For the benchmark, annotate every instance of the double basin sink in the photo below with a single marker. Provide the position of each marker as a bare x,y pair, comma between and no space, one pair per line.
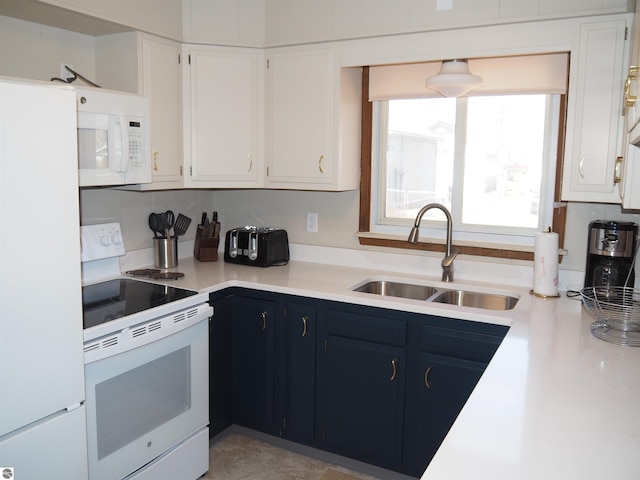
453,296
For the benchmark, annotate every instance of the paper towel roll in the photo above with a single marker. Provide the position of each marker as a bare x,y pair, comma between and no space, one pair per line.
545,264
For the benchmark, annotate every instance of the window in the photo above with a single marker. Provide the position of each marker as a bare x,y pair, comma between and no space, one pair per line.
487,159
491,159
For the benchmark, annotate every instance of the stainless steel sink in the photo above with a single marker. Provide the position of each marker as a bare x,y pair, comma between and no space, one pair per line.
459,297
397,289
464,298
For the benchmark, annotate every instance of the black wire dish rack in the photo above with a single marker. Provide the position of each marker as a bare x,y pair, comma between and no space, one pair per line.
617,313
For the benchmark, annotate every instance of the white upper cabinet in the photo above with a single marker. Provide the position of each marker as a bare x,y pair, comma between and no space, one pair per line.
162,81
312,122
223,117
149,66
632,83
631,160
594,143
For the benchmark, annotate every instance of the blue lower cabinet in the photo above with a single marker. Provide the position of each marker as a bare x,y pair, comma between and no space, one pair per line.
298,381
220,365
253,363
363,405
380,386
445,384
363,365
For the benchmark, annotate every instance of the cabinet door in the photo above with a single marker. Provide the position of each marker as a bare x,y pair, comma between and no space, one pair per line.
364,400
162,82
300,372
593,142
223,148
253,363
220,366
632,84
445,384
300,116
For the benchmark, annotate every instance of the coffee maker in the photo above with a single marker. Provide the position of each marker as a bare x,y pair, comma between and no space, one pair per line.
610,254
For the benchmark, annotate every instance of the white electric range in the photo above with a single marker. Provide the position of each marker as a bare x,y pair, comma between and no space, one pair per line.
146,369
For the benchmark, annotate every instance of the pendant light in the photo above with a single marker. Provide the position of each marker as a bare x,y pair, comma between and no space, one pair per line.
454,79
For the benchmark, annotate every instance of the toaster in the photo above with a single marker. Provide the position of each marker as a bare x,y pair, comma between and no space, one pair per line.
259,246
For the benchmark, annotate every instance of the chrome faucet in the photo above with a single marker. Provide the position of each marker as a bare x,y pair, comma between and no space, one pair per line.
449,257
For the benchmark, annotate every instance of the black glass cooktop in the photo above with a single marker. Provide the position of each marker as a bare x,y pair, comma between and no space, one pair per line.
106,301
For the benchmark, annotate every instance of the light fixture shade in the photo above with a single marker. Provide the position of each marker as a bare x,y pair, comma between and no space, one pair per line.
454,79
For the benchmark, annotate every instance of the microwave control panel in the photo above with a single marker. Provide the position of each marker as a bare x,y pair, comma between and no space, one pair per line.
136,143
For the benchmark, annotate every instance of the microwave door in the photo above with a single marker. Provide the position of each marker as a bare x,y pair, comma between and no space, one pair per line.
100,151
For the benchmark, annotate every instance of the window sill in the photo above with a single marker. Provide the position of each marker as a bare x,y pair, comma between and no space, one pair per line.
511,252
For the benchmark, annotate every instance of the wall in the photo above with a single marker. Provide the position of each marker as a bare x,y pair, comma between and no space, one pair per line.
286,22
35,51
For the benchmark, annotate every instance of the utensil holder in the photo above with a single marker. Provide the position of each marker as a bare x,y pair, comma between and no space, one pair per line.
205,248
165,252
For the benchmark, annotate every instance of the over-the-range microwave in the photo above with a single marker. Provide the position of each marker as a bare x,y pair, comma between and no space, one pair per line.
113,138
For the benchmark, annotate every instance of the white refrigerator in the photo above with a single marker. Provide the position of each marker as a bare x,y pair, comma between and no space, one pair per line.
42,413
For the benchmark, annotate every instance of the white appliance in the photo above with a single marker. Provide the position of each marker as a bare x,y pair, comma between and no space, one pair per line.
146,352
113,138
42,412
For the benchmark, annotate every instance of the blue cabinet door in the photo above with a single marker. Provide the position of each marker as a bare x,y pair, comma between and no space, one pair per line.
299,352
364,400
220,365
444,385
253,331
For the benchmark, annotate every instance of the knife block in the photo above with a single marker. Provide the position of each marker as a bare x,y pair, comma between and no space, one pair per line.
205,248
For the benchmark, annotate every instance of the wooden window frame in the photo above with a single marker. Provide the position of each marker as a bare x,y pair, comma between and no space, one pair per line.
559,210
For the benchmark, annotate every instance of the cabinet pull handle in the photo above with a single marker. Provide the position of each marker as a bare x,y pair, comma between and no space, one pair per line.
320,167
155,161
580,167
617,176
630,100
264,321
426,377
250,163
394,364
304,326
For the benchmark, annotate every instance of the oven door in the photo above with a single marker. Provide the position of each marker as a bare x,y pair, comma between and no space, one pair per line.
142,402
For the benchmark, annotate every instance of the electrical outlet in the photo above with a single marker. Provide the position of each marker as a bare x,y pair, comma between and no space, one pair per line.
64,73
312,222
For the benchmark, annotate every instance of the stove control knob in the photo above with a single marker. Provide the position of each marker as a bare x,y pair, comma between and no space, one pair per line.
116,238
105,240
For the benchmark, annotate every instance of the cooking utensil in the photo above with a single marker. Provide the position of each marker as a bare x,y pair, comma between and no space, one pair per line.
154,224
181,225
168,220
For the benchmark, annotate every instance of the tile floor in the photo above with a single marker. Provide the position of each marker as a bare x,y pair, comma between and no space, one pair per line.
239,457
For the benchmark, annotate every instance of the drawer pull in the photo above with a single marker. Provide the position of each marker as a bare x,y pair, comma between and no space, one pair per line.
320,167
426,377
394,364
250,163
264,321
304,326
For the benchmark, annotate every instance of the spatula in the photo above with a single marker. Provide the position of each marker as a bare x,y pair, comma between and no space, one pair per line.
181,225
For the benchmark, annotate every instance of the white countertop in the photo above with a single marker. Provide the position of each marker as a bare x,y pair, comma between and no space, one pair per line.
554,403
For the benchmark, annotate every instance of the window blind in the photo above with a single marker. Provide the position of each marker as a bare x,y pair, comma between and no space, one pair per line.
531,74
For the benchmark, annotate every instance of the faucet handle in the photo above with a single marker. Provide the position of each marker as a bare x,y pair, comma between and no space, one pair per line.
448,260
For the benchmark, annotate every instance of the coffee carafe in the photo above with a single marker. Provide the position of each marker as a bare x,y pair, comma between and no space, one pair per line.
610,254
